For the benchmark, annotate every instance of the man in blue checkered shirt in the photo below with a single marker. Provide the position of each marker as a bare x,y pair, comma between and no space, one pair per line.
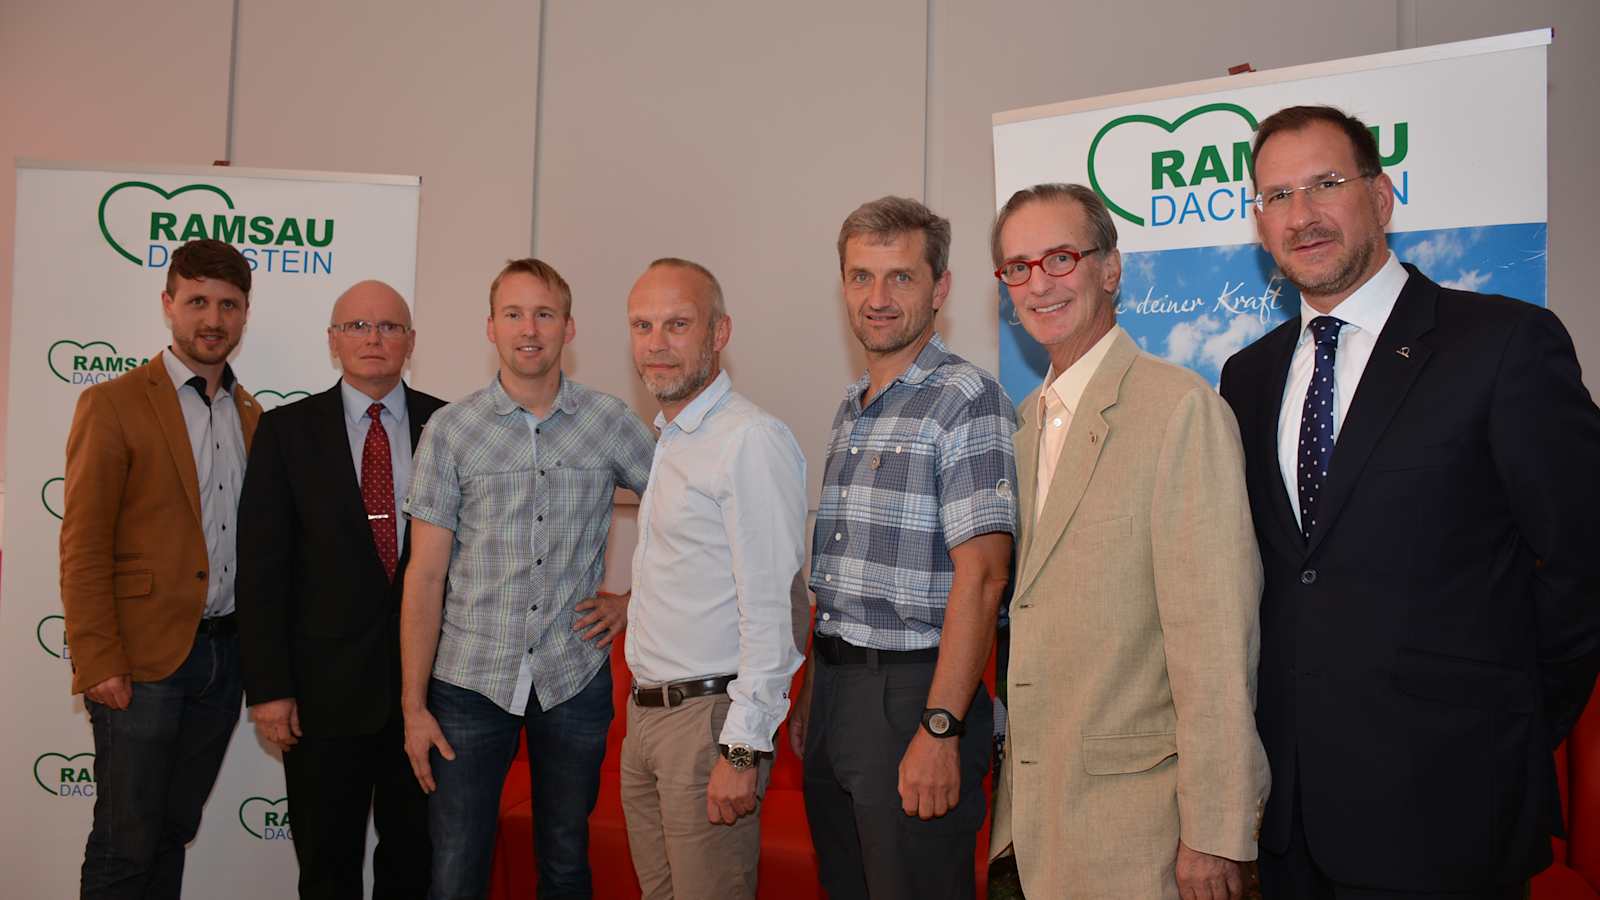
910,557
503,628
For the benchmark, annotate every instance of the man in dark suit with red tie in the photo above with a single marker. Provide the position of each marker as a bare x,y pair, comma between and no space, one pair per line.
323,554
1420,462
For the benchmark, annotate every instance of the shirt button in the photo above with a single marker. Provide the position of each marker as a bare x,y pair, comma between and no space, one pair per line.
854,450
826,617
200,575
1309,576
827,578
838,535
1056,422
538,562
541,518
541,473
530,651
845,492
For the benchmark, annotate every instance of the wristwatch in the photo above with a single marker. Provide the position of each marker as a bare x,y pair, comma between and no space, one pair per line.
942,723
740,756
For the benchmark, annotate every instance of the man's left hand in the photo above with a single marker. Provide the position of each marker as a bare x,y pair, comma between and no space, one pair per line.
607,617
731,793
1202,876
930,776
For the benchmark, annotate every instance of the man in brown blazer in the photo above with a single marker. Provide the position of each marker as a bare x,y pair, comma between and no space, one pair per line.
1132,767
155,460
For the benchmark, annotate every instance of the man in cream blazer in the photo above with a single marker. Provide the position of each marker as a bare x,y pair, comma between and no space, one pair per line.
1132,767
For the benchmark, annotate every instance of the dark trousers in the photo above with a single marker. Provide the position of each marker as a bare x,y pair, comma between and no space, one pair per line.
333,782
154,765
862,719
566,745
1295,875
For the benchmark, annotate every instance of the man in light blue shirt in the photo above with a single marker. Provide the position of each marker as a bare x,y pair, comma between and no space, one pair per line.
712,635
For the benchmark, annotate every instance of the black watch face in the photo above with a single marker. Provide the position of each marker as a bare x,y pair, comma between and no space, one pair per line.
939,723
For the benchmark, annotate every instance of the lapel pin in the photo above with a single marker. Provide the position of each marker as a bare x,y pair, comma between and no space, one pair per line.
1094,438
1404,352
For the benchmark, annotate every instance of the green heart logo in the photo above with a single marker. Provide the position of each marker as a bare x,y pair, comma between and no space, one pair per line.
58,626
54,490
258,807
65,763
50,355
1168,127
145,185
270,399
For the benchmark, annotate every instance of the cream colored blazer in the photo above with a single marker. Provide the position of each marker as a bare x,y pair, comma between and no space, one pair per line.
1134,640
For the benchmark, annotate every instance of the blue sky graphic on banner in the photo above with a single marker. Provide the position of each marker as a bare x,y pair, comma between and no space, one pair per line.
1197,306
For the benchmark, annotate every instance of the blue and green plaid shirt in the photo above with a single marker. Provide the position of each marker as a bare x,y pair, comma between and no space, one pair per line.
530,527
927,465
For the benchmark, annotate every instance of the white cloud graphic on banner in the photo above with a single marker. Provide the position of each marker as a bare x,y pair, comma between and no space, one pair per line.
1205,343
1470,280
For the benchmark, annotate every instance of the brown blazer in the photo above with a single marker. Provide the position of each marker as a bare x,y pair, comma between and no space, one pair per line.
1134,641
133,552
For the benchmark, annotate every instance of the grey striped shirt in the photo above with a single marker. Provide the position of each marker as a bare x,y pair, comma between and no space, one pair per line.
530,527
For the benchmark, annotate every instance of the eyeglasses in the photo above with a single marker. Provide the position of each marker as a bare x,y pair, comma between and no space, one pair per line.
1058,262
363,328
1319,192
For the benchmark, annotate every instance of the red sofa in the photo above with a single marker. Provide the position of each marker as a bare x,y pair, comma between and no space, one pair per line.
788,864
1575,875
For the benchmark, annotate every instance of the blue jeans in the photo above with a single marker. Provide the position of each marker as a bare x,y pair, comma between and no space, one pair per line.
566,745
154,765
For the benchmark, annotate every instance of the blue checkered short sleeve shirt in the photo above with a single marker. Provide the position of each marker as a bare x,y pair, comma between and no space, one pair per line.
924,467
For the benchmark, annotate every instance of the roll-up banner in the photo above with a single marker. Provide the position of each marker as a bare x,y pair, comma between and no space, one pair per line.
92,246
1461,132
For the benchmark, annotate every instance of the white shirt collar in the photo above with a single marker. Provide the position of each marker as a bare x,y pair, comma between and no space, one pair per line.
356,402
1068,387
1369,307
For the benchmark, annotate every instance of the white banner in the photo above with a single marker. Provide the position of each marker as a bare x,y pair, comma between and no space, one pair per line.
92,244
1460,128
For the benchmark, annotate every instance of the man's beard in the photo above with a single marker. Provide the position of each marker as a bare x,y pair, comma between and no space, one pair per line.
690,381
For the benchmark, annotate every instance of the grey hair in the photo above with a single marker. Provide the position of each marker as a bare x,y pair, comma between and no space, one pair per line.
886,218
1104,231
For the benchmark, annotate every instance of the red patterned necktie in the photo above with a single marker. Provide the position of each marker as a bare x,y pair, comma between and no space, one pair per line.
377,490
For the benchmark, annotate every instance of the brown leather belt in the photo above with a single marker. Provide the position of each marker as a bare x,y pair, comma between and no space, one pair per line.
676,692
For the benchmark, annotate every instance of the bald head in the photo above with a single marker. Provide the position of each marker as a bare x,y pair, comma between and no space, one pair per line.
378,301
373,355
679,327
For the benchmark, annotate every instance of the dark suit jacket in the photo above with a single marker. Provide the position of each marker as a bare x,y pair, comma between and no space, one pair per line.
134,570
318,617
1423,654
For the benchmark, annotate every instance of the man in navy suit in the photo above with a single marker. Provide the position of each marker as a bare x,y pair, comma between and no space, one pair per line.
1420,463
322,556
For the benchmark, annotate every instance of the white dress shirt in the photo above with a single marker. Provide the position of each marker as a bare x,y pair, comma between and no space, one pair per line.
1364,314
216,437
1058,403
721,538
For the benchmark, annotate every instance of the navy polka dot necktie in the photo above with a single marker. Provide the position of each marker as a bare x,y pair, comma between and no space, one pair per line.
1316,422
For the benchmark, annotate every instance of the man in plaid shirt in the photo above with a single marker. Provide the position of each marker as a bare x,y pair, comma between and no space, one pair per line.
910,556
511,495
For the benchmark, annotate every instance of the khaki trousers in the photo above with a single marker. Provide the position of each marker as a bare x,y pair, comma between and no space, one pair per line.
667,757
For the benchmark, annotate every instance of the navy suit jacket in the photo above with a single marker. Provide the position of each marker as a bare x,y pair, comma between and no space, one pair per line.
1435,639
318,616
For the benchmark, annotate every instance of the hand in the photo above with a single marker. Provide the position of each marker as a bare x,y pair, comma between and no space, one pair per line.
1202,876
731,793
608,619
930,775
422,735
115,692
799,717
277,722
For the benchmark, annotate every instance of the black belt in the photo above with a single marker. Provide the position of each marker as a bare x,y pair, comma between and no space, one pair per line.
836,651
219,626
676,692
